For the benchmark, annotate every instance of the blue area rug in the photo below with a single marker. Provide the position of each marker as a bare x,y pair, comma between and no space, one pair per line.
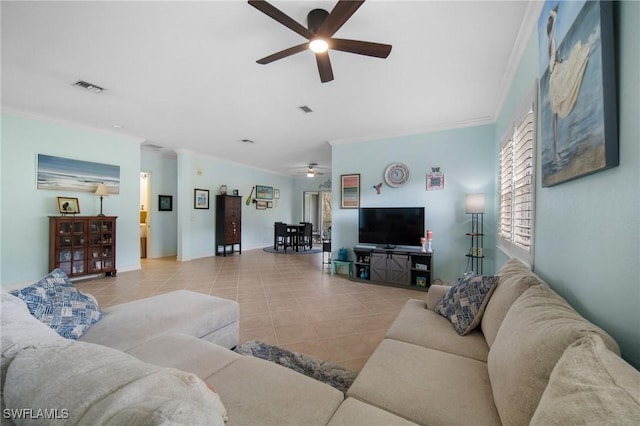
334,375
292,251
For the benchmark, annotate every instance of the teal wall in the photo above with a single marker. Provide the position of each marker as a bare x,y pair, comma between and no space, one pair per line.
25,223
587,241
25,228
466,157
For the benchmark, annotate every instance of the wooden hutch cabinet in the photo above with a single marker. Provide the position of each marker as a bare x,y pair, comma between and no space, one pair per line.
228,224
83,245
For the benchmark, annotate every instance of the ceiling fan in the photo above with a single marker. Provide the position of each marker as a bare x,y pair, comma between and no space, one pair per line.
312,170
322,25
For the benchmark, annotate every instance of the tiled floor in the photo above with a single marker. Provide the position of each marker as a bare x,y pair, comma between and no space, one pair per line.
286,300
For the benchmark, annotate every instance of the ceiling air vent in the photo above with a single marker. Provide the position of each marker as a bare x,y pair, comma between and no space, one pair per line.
305,109
151,147
88,86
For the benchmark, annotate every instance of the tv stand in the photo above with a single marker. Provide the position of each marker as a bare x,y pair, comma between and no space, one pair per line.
397,267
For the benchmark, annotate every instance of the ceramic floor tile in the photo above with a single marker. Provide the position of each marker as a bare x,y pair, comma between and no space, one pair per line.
295,333
288,317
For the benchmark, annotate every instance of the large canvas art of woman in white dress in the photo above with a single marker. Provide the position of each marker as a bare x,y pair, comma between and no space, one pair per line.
575,91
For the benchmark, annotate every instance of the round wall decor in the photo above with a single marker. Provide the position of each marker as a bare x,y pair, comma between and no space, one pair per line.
396,174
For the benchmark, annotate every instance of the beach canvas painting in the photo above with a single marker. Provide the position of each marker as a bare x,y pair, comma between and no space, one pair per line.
64,174
578,123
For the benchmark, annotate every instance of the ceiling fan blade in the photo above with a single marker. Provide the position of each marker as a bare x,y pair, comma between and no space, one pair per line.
324,67
340,14
283,53
281,17
367,48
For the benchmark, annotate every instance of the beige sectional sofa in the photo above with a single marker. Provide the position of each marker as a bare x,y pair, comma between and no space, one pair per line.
499,373
518,366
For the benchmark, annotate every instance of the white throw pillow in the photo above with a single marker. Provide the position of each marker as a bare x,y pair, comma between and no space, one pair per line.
93,384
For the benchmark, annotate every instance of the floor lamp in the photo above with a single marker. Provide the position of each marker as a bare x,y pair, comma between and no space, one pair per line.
474,205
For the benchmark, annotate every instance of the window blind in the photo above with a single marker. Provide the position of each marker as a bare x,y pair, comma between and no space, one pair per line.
517,185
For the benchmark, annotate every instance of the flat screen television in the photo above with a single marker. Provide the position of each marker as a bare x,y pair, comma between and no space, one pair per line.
391,226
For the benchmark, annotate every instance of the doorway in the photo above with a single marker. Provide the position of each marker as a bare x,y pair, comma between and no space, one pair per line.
145,179
317,210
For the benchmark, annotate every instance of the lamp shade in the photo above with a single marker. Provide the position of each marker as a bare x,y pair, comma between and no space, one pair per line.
102,190
474,203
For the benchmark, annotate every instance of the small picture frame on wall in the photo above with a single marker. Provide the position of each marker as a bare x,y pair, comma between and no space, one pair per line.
350,191
67,205
435,179
165,203
264,192
261,205
201,199
276,194
269,204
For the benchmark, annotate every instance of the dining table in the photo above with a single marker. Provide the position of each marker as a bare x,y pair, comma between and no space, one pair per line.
294,229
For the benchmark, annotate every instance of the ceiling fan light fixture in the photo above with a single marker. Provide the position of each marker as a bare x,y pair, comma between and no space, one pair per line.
318,45
310,173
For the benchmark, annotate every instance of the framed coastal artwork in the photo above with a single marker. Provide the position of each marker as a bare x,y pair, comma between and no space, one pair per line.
264,192
578,118
66,174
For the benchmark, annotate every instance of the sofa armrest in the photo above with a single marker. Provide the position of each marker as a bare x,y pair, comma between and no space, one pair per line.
435,293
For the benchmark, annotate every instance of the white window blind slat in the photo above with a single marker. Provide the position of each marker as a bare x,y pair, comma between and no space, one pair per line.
517,183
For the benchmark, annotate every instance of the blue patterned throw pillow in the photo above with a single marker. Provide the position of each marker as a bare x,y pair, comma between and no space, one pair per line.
56,302
464,303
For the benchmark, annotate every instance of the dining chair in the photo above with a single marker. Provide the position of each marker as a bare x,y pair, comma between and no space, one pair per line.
305,238
280,236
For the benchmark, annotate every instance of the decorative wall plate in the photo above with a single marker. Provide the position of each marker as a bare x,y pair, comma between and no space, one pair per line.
396,174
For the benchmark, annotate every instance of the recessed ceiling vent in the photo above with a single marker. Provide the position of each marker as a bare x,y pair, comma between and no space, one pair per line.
246,141
151,147
305,109
88,86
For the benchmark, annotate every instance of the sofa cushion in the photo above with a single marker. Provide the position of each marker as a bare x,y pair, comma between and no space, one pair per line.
465,302
353,412
426,386
55,301
534,334
19,330
514,278
590,385
186,353
423,327
99,385
259,392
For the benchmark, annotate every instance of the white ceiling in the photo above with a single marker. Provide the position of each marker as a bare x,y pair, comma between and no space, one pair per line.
182,75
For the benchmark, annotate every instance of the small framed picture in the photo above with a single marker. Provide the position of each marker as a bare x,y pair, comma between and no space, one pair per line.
68,205
201,198
276,193
350,191
165,203
435,179
269,204
264,192
261,205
